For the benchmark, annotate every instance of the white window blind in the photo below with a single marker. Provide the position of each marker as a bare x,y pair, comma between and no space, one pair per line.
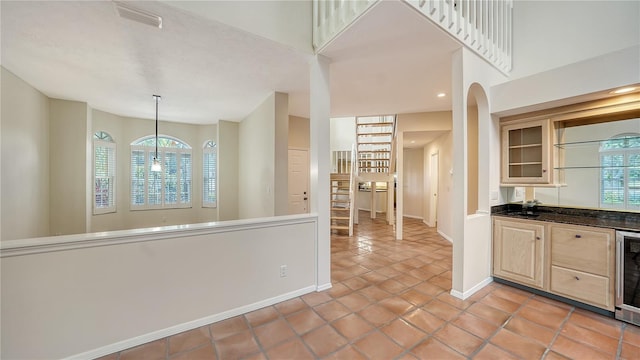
169,188
210,172
620,172
104,174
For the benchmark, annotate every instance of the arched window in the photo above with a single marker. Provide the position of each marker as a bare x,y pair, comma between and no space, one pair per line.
104,173
210,174
620,172
169,188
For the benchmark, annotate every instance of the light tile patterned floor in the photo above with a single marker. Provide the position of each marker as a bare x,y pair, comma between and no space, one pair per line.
390,300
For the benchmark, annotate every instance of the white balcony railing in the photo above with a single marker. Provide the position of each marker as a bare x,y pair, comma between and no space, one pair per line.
330,17
484,26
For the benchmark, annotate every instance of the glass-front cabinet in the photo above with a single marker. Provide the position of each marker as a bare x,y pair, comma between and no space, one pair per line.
526,155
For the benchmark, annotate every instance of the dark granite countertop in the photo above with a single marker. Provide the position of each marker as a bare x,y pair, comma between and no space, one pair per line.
618,220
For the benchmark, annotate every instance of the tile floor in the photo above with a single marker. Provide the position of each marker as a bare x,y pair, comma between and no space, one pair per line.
390,300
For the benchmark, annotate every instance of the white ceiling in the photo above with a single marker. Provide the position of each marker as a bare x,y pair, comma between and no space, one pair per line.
390,61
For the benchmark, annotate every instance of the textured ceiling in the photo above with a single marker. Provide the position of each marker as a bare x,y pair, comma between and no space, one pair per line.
390,61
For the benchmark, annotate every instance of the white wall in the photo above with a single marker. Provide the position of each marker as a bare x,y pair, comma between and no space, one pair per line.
363,201
25,159
551,34
343,133
256,156
287,22
413,182
93,294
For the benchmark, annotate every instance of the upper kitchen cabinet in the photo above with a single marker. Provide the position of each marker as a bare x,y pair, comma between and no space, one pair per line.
526,153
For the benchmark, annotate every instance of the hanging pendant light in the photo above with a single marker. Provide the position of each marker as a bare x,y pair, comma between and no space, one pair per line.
156,166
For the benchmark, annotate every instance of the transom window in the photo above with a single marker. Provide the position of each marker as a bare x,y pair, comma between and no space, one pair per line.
620,172
104,173
169,188
210,174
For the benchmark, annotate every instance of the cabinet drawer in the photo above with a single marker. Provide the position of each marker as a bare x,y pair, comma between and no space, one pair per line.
584,287
584,249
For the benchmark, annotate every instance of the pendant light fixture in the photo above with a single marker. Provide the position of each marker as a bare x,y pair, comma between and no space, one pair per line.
156,166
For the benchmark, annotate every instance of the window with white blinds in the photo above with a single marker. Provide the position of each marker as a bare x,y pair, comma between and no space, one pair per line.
104,173
166,189
210,172
620,172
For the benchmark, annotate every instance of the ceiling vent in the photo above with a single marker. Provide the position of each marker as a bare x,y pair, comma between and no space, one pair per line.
144,17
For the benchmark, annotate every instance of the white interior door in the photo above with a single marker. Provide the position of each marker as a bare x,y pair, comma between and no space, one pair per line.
298,181
433,180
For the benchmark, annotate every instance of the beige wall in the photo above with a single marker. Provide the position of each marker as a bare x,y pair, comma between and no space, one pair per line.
424,121
443,145
69,163
126,130
299,136
413,179
49,192
281,155
25,160
472,159
256,136
228,170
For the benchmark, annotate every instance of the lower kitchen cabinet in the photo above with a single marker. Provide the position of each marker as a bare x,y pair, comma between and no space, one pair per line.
518,251
583,264
575,262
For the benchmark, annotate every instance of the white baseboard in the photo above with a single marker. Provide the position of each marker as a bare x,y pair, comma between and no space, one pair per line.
473,290
428,223
412,216
176,329
324,287
445,236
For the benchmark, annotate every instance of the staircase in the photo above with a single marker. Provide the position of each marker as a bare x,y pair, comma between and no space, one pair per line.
374,136
341,202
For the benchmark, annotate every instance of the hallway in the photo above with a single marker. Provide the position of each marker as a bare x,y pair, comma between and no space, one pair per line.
390,300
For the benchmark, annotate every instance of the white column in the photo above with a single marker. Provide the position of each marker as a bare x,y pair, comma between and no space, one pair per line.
320,107
459,185
374,203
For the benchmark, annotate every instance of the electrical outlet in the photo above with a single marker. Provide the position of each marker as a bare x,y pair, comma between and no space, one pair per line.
283,270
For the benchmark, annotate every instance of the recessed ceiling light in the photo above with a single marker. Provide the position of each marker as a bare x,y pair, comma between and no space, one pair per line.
144,17
624,90
442,95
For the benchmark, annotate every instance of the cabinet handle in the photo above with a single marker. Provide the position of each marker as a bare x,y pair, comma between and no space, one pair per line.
544,170
537,237
578,236
577,278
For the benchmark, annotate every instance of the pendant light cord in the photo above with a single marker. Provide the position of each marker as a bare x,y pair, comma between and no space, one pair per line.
157,97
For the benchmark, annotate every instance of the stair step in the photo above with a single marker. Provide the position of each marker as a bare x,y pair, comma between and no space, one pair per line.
340,201
375,143
339,218
338,227
376,134
376,124
339,209
374,151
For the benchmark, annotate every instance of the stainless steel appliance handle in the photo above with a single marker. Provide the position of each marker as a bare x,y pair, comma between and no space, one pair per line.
619,268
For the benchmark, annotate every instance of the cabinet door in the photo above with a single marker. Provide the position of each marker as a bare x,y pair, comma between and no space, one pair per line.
526,153
518,251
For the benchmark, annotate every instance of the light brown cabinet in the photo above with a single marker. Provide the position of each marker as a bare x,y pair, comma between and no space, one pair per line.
583,264
575,262
526,153
518,251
